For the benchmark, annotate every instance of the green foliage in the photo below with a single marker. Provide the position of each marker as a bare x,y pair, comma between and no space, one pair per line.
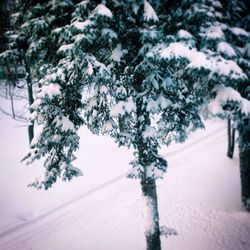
120,69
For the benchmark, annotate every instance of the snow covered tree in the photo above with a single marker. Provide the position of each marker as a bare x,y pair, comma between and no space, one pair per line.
111,77
29,41
123,70
237,15
238,108
10,83
224,63
243,121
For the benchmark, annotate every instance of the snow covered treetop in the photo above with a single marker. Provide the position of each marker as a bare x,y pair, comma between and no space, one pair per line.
123,69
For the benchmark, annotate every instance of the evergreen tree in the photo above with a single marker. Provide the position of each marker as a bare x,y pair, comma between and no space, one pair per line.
241,19
120,69
111,77
30,43
225,57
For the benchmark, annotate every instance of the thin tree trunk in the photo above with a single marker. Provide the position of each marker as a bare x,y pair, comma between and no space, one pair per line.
31,99
244,155
230,138
233,142
245,178
12,102
10,83
31,132
153,230
147,156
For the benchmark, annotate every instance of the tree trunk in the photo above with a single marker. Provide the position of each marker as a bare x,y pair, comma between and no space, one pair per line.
31,99
245,178
153,230
12,101
147,155
233,142
31,131
244,156
231,139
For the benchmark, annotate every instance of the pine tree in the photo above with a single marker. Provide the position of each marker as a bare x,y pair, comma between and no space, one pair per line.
243,123
225,57
111,75
120,69
30,43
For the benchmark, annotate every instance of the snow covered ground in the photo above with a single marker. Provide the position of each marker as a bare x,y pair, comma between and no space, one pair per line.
199,197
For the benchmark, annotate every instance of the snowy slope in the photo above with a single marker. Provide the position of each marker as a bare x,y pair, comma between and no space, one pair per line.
199,197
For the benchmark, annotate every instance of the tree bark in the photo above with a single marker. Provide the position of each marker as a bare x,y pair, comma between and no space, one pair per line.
31,99
12,101
147,152
245,178
233,142
244,156
153,230
230,139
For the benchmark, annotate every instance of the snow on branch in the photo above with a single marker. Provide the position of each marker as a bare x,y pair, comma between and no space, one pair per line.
102,10
117,53
197,60
184,34
66,173
177,50
226,95
122,107
81,25
226,48
214,32
64,123
239,31
149,13
66,47
50,91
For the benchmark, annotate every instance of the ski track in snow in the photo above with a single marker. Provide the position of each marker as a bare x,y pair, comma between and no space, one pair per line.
107,183
57,208
90,221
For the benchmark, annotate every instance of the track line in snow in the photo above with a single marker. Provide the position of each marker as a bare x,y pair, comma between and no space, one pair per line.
187,145
180,169
197,227
60,207
99,187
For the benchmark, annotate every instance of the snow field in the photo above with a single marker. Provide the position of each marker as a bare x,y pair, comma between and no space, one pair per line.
199,197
